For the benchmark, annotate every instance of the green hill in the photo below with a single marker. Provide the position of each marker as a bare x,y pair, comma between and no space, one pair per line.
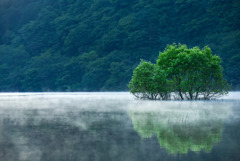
93,45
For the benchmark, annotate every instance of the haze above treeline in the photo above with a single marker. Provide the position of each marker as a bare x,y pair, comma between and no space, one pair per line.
94,45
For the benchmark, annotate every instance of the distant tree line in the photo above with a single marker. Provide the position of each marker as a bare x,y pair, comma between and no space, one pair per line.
94,45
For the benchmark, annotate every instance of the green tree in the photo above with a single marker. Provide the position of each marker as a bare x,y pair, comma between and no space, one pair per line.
195,73
149,82
180,73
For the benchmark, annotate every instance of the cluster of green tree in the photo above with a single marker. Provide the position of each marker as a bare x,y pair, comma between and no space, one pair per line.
180,73
73,45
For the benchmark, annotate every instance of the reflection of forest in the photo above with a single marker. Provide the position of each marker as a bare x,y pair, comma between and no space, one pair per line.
181,129
44,135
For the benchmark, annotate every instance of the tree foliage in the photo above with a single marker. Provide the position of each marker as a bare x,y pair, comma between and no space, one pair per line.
149,81
180,73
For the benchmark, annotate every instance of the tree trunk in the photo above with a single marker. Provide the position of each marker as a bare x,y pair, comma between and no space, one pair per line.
180,94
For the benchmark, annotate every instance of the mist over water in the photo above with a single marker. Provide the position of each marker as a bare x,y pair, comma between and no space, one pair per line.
116,126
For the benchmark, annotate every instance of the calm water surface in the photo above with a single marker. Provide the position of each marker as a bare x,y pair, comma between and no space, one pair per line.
117,127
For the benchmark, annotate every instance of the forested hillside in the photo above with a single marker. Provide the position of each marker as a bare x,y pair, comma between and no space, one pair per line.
94,45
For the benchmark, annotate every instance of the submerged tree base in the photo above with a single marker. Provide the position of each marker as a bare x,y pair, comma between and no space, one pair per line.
175,96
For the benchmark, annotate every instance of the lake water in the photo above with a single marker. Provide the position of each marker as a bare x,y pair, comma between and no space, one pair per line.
117,127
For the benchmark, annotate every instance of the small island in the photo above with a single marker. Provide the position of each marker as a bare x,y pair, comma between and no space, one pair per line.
180,73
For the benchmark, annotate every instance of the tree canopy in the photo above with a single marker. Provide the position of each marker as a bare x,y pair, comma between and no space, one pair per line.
149,82
180,73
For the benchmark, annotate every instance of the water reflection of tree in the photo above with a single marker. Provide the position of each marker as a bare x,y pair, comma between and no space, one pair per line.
181,130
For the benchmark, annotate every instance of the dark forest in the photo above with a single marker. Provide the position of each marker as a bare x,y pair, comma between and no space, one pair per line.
94,45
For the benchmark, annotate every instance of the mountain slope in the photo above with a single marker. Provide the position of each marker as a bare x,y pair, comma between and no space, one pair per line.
80,45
